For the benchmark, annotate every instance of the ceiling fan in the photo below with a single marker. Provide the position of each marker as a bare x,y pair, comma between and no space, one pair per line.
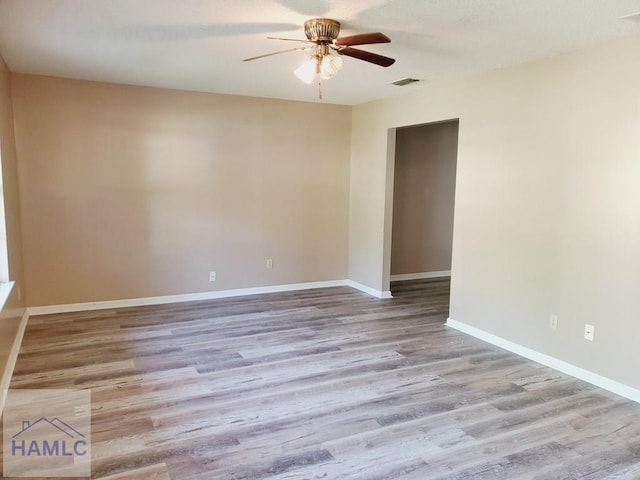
322,40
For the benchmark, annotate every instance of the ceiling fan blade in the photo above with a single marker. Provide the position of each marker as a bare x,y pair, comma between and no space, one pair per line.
363,39
367,56
290,39
299,49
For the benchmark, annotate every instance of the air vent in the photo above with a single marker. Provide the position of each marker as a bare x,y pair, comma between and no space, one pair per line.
634,17
405,81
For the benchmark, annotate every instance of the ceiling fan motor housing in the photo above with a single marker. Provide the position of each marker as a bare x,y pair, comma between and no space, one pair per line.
322,29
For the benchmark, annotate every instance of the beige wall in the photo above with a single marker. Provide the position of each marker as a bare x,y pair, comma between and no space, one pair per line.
547,212
423,198
134,192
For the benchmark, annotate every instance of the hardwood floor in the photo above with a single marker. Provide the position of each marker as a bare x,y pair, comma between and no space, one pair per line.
322,384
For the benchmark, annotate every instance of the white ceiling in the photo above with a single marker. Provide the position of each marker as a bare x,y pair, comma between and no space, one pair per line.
199,44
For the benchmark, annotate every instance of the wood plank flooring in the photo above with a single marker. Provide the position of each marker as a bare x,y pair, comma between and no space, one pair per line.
322,384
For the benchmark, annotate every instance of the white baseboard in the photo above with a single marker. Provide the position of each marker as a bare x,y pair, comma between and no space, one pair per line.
188,297
560,365
11,361
420,275
192,297
368,290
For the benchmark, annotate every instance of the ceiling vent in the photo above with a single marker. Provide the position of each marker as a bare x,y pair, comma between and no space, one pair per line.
405,81
634,17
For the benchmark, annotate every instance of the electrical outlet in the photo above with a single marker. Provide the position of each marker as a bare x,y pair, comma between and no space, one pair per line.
269,264
553,321
212,276
588,332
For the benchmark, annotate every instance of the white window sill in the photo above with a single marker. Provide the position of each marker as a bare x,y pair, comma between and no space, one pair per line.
5,291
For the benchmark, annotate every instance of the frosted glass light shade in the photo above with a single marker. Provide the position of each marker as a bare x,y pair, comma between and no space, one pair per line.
326,66
307,71
331,64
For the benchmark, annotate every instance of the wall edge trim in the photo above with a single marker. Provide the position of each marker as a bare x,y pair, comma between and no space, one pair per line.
549,361
369,291
187,297
420,275
11,362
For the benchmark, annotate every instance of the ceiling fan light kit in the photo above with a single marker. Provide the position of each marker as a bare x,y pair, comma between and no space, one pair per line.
322,37
325,67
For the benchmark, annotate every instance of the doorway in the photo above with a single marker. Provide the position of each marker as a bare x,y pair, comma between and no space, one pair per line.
423,201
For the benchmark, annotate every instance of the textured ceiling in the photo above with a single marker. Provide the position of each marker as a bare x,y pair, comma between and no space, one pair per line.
199,44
